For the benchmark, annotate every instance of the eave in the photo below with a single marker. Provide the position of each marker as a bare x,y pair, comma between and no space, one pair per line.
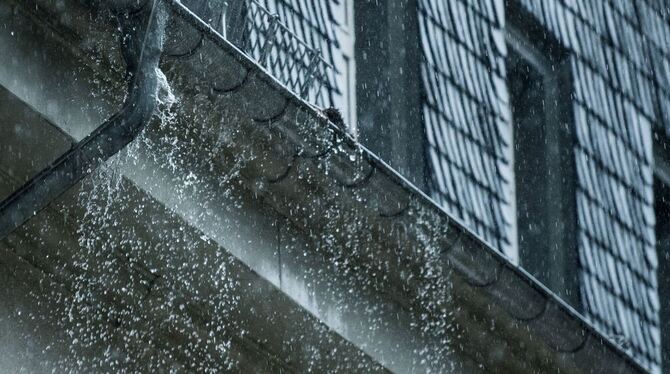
302,166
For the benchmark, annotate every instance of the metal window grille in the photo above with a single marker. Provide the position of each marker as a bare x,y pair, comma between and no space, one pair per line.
263,37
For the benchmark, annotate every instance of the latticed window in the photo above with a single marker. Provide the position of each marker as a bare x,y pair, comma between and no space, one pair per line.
306,45
465,115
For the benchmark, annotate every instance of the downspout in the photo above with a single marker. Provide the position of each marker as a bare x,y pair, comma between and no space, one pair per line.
142,25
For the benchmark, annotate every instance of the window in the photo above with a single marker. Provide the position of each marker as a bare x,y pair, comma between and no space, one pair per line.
343,14
308,49
538,78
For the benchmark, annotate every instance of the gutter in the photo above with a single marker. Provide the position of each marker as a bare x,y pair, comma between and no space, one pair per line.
364,185
143,27
531,318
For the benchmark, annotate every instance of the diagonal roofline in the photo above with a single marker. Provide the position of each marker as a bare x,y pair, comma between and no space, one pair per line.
486,276
457,257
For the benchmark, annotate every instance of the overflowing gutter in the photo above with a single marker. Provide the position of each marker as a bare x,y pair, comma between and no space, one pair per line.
305,165
360,180
142,26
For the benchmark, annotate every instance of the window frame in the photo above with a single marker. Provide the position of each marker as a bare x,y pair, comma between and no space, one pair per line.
533,43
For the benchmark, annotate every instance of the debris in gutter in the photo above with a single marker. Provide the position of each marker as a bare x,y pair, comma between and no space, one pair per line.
334,115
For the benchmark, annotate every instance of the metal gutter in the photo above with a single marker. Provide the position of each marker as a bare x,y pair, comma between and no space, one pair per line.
529,304
388,197
142,26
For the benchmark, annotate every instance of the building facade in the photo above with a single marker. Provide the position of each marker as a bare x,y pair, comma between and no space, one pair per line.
611,58
541,125
530,144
